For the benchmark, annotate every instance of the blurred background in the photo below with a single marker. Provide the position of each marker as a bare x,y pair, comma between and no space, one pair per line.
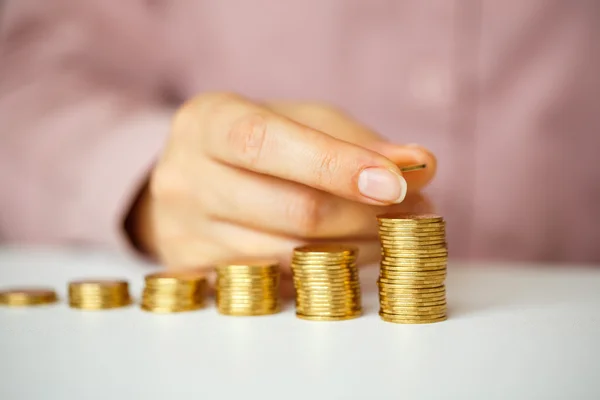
505,94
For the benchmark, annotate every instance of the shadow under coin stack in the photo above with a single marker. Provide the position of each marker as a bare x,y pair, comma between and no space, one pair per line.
326,282
413,268
174,291
99,294
248,287
25,297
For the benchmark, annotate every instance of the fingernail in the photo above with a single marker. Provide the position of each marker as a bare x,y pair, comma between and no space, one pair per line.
382,184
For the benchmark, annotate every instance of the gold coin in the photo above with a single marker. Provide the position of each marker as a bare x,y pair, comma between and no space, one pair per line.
397,289
411,224
342,283
385,303
21,297
410,320
312,298
415,232
413,269
410,268
349,272
396,242
415,284
426,316
415,275
416,309
394,294
247,313
327,265
328,309
176,277
410,282
169,309
245,263
410,217
413,246
400,269
329,318
394,281
415,253
414,299
326,249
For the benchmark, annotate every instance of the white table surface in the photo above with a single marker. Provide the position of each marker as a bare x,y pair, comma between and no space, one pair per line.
514,332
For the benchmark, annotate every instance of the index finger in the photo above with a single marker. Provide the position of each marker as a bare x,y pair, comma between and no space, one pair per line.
248,136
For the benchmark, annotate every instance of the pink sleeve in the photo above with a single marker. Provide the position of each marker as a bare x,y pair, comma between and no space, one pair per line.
81,121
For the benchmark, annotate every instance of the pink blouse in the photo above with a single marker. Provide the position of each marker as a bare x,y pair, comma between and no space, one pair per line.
506,93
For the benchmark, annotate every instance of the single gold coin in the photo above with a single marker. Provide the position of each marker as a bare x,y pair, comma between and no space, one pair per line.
408,216
175,277
415,299
399,289
396,267
412,246
410,296
249,263
413,275
414,226
402,242
415,232
416,284
415,253
413,272
321,317
417,309
387,303
410,320
325,250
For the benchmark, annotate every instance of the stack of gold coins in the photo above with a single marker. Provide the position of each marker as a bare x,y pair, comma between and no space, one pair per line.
326,282
99,294
24,297
174,291
413,268
248,287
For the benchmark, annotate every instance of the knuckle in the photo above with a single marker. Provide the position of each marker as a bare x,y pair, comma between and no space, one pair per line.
184,116
305,212
201,107
327,168
165,184
247,138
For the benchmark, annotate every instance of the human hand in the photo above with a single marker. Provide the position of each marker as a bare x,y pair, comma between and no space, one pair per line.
237,178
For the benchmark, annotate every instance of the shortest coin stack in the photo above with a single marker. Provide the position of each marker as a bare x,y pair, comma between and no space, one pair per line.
413,268
24,297
99,294
174,291
326,282
248,287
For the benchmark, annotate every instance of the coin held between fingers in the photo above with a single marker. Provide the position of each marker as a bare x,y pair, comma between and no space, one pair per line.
382,185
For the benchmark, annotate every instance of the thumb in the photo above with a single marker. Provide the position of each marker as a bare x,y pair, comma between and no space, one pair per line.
406,155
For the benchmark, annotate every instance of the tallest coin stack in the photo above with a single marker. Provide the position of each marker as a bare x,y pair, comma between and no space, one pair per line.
413,268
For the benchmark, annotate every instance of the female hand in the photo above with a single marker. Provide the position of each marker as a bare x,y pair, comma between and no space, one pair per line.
238,178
